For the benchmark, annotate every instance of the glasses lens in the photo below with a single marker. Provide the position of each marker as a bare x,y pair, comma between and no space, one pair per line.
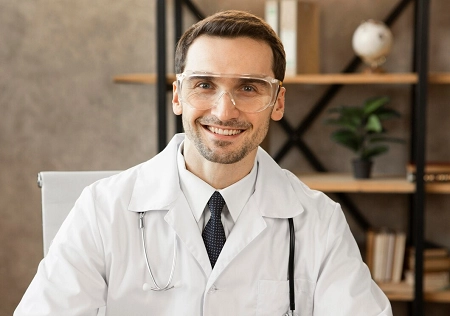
248,94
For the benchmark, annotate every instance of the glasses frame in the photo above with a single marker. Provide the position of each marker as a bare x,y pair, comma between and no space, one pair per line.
274,83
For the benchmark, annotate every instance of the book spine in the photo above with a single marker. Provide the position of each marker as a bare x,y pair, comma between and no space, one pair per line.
430,177
272,14
299,33
288,34
385,254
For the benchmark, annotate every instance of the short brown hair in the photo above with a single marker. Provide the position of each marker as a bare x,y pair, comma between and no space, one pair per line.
232,24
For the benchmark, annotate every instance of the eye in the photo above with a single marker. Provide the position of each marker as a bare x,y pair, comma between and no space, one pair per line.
204,85
248,88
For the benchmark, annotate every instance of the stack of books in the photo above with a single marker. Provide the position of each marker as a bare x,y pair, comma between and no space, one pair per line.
385,255
433,172
436,268
298,25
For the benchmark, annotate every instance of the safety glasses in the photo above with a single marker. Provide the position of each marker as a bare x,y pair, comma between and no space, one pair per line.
248,93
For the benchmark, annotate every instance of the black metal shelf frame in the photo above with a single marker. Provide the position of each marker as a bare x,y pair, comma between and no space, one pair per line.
161,62
418,108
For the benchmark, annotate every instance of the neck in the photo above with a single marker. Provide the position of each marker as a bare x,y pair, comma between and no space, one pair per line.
217,175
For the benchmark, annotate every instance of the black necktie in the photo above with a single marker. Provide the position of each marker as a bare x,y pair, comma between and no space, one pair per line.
213,233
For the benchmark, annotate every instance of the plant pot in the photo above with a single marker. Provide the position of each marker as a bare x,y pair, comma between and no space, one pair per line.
362,168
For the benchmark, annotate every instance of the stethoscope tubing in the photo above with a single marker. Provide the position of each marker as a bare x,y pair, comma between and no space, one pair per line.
157,287
291,264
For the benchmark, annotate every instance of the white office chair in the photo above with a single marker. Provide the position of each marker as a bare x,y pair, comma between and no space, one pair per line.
59,191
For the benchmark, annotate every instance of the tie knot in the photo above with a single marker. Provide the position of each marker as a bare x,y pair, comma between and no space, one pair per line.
216,203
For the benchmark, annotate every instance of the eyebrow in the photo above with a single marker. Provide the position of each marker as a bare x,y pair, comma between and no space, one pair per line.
251,80
198,77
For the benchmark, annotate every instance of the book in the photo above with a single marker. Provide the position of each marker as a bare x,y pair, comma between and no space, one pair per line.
272,14
433,172
436,258
299,33
399,257
385,254
432,281
432,264
431,251
380,256
370,239
390,247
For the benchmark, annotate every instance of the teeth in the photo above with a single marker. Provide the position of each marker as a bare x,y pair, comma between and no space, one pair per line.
226,132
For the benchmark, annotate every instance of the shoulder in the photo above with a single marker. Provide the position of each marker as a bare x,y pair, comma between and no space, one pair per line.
116,185
291,196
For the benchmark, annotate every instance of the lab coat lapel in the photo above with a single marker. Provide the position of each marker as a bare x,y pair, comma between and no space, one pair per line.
249,226
180,218
157,188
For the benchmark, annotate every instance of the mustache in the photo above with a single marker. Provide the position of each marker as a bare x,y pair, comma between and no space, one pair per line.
234,123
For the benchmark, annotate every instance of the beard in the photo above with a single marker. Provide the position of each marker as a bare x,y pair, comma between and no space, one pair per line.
222,156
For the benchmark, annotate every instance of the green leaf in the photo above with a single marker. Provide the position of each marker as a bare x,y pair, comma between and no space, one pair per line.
372,105
347,139
373,124
374,151
379,139
384,114
361,128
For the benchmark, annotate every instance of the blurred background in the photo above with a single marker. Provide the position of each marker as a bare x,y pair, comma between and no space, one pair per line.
61,110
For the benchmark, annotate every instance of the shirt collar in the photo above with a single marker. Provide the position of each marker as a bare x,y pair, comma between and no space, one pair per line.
198,192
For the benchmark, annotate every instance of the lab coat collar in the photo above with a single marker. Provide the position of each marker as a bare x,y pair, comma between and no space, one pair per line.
157,187
278,193
157,183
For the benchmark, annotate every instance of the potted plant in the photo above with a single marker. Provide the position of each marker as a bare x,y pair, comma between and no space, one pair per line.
361,130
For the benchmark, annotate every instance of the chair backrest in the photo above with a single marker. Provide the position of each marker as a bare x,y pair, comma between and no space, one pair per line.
59,191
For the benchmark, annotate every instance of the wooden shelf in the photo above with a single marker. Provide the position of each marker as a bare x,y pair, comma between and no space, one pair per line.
442,188
403,292
439,78
367,78
351,78
354,78
341,182
141,78
436,297
344,182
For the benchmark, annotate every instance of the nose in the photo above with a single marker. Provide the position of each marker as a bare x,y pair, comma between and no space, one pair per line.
225,107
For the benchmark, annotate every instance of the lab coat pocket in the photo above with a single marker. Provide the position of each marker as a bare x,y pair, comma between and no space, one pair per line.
273,297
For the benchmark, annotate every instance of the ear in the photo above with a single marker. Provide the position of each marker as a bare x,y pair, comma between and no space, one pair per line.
176,105
278,107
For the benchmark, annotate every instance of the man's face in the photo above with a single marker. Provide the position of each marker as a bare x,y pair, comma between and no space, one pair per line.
223,134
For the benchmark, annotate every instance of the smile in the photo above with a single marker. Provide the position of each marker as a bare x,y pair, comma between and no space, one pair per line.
226,132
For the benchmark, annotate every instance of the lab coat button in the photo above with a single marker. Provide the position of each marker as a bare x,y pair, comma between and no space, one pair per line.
212,289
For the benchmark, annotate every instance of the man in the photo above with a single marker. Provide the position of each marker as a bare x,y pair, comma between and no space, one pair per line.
217,198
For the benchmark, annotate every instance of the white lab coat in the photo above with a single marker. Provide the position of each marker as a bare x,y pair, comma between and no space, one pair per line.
97,257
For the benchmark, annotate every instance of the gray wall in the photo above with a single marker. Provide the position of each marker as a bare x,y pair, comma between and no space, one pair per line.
61,110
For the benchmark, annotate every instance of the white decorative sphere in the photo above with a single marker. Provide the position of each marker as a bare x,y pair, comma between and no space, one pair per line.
372,41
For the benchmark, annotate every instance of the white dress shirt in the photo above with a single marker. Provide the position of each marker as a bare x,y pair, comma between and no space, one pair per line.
198,193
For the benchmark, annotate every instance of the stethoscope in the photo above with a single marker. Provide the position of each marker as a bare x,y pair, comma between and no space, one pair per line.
168,286
156,287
